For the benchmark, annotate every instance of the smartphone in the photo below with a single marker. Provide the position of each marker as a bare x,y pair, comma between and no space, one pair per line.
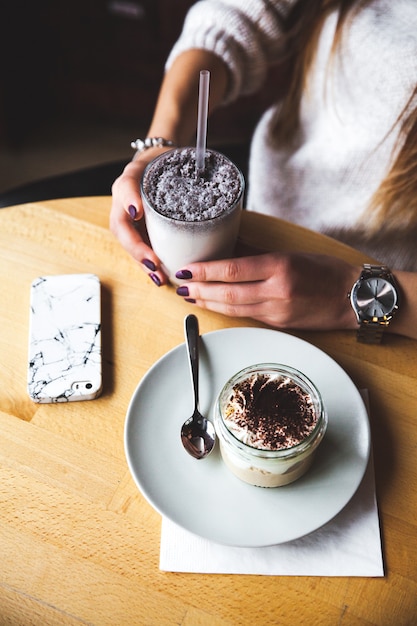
64,362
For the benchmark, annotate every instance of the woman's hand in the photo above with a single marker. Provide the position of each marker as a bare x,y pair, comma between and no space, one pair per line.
126,216
296,290
175,118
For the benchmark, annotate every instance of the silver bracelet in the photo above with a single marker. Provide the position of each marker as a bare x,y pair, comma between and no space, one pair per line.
151,142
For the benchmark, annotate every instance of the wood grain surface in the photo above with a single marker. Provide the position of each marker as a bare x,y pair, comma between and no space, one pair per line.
79,544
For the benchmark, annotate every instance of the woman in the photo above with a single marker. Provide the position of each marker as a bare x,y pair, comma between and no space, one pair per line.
338,154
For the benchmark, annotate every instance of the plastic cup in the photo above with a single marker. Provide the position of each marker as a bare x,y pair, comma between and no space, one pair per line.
182,225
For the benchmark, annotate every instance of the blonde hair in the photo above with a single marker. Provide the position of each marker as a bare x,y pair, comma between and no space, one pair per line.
395,201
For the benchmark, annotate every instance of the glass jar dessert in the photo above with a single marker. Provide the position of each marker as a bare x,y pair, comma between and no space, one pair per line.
269,419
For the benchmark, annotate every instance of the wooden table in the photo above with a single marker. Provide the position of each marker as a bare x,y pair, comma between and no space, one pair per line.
79,544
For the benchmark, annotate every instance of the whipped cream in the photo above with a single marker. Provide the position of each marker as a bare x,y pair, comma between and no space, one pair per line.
270,412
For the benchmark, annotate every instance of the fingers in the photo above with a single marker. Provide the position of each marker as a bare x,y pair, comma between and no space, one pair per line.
126,191
229,296
284,291
127,224
237,270
237,282
258,311
235,287
248,302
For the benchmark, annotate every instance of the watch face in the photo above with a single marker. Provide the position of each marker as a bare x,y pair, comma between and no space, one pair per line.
375,298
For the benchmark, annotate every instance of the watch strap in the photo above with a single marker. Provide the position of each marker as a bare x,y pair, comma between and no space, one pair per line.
380,271
369,332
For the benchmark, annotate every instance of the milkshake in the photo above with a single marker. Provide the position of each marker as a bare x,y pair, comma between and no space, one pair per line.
269,419
191,216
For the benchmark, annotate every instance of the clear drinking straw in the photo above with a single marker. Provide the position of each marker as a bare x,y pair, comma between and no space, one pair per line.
203,96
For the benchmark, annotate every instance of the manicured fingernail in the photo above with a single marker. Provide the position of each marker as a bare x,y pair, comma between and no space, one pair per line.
149,264
184,275
190,300
183,291
132,211
155,279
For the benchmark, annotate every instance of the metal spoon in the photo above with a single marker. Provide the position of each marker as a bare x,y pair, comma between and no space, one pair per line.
197,433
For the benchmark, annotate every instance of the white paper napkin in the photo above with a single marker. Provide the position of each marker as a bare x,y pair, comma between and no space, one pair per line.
349,545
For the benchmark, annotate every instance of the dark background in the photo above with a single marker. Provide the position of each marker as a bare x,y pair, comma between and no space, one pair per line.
91,64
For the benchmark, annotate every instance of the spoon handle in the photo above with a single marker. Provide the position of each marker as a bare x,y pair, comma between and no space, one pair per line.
192,335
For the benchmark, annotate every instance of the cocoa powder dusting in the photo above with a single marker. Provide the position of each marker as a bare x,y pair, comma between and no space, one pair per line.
275,412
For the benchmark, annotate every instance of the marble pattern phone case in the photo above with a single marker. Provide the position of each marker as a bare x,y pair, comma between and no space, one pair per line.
65,338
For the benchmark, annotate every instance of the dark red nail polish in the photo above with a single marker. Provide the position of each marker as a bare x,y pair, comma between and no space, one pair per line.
155,279
149,264
184,275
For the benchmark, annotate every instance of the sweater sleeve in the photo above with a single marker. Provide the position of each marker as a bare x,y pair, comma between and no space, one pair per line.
246,34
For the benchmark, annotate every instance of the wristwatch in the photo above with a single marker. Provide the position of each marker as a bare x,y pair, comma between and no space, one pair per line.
375,300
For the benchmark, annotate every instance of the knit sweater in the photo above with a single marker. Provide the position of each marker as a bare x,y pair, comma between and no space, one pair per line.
347,135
